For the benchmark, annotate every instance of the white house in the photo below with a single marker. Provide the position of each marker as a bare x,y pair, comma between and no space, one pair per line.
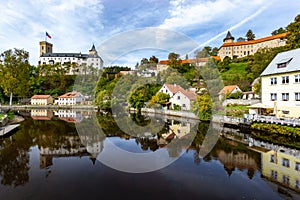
179,96
70,98
227,90
280,84
183,99
41,100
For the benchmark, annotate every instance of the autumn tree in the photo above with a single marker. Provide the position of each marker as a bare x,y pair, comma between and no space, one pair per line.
293,37
250,35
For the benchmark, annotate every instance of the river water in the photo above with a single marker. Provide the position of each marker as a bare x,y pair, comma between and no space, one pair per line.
51,157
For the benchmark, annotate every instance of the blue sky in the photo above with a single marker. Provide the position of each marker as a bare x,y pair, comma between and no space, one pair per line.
76,24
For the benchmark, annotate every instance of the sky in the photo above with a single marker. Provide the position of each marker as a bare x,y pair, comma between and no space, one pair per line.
125,31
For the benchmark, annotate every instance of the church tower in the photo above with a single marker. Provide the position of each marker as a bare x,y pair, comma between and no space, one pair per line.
45,47
228,38
93,50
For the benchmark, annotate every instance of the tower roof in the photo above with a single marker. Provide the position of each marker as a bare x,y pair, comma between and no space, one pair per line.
93,48
228,37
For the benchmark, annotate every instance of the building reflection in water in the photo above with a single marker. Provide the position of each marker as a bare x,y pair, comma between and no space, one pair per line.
283,167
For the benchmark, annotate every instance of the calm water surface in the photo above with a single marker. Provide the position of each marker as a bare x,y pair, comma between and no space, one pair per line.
46,159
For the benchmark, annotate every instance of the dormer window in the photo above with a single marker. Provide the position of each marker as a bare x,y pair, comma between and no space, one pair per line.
284,62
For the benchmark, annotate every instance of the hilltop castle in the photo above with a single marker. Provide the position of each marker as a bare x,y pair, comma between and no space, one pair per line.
48,57
240,49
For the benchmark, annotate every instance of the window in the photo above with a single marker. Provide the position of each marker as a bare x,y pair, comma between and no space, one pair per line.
285,96
272,158
286,179
297,78
297,184
274,81
297,96
285,162
274,174
285,79
297,166
283,63
273,96
178,97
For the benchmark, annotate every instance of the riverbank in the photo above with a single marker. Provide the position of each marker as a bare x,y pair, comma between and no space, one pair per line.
50,107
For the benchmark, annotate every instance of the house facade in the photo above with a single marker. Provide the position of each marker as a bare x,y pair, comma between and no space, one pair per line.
183,99
70,98
280,84
77,61
41,100
240,49
179,96
227,90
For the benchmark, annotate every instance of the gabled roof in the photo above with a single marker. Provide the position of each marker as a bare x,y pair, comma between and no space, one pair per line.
41,96
174,88
189,94
290,58
273,37
228,89
70,95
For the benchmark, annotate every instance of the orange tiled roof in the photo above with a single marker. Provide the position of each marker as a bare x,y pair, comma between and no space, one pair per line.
228,89
190,95
70,95
255,41
166,62
174,88
40,96
217,57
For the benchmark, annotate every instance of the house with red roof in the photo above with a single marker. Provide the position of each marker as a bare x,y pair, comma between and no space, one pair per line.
41,100
179,96
228,90
70,98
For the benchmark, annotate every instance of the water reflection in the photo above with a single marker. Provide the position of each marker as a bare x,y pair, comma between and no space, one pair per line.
57,138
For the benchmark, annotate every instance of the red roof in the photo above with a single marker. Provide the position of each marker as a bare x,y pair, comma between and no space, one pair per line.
190,95
174,88
228,89
166,62
282,35
40,96
70,95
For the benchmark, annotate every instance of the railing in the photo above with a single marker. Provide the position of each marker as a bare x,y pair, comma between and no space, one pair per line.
274,120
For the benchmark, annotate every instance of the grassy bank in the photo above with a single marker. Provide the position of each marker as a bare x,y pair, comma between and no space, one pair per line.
277,134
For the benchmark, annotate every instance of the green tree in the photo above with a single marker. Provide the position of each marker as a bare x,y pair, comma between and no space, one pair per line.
205,52
174,60
15,72
278,31
159,98
250,35
293,37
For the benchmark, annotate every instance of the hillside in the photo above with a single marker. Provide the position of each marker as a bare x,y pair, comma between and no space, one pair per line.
236,75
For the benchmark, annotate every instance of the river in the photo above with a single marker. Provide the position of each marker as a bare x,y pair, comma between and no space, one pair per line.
61,154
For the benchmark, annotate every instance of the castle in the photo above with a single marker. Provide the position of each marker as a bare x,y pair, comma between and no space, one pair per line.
76,60
240,49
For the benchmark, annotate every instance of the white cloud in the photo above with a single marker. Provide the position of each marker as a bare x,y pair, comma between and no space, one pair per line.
187,14
73,24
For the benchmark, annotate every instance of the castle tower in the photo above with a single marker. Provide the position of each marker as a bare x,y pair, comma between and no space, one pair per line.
45,47
228,38
93,50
